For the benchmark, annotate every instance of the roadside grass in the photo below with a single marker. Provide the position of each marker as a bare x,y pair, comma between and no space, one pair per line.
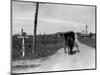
89,41
44,48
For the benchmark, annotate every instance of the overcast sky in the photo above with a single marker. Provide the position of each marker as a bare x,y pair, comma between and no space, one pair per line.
52,18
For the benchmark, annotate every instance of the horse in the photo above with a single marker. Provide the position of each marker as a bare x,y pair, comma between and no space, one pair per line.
70,42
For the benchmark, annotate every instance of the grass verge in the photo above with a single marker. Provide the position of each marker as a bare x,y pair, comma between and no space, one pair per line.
89,41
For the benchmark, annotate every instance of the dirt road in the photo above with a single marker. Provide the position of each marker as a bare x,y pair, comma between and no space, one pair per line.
59,61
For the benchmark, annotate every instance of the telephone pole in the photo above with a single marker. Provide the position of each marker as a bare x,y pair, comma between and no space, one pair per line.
35,27
86,29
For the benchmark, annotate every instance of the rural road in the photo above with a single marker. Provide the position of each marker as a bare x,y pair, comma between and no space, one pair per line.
59,61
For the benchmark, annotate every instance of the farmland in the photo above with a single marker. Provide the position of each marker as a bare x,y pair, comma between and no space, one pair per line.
44,47
89,41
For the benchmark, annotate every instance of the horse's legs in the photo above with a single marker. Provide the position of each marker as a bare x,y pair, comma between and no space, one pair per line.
77,47
69,50
65,48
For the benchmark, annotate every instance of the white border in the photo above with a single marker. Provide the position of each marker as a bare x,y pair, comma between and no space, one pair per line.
5,37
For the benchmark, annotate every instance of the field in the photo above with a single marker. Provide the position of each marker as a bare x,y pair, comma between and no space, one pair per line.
44,47
89,41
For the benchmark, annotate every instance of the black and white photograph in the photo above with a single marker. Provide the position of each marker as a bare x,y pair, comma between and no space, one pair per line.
52,37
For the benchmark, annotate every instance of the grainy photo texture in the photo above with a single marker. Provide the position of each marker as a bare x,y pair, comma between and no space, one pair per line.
51,37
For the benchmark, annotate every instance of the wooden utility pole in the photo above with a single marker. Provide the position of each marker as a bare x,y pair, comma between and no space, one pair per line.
35,27
86,30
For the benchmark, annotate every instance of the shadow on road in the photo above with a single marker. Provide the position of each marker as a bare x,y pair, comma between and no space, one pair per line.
25,66
74,52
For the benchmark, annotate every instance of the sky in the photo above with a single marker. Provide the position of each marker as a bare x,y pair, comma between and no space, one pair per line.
52,18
